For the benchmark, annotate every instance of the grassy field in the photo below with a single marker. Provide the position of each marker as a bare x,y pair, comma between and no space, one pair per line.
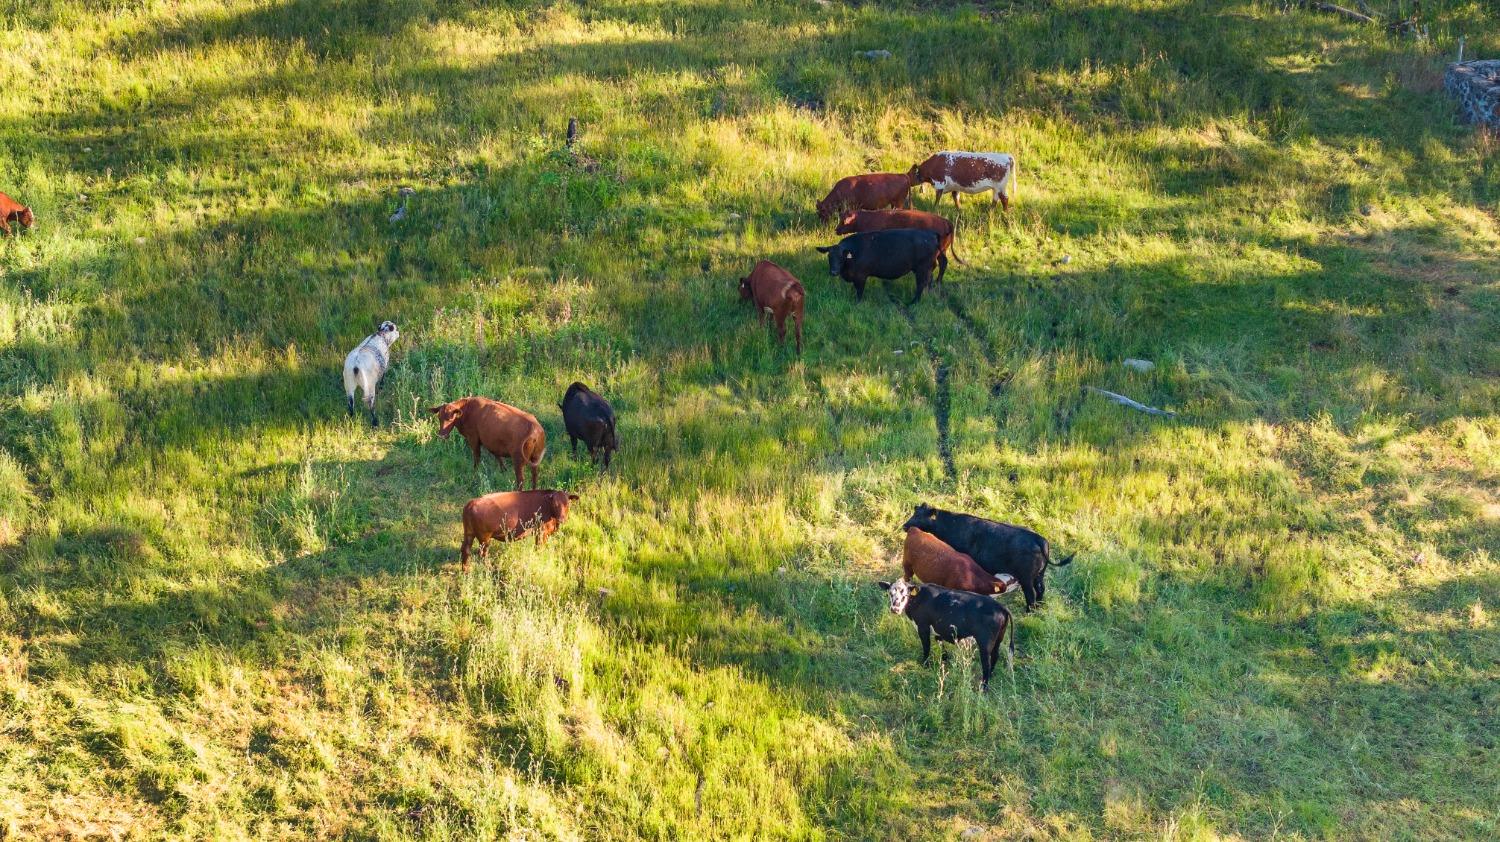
228,611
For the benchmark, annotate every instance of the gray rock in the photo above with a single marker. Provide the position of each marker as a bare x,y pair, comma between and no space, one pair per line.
874,54
1139,365
1476,86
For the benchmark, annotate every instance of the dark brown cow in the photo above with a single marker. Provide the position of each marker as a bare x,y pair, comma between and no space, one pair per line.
870,191
776,294
931,560
968,172
857,222
13,211
503,430
509,515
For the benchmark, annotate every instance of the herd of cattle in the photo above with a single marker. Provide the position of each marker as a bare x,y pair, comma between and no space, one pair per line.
960,560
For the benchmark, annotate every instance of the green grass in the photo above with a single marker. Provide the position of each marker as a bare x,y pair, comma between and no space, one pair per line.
228,612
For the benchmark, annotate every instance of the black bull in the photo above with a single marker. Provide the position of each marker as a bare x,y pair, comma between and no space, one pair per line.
887,254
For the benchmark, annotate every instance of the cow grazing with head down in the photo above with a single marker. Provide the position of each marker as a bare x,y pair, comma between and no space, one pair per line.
13,211
509,515
934,562
968,172
589,418
776,294
997,547
858,222
503,430
888,255
366,364
953,616
870,191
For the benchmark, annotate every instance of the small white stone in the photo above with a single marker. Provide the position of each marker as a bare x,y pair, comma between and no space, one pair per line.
1139,365
1066,259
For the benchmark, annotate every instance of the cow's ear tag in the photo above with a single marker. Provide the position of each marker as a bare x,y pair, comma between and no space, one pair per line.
848,255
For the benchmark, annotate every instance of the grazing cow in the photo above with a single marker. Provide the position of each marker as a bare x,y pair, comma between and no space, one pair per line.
509,515
503,430
997,547
777,294
13,211
366,364
870,191
858,222
968,172
889,255
590,418
934,562
954,616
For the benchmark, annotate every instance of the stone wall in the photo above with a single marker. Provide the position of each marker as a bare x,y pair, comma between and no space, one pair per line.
1476,86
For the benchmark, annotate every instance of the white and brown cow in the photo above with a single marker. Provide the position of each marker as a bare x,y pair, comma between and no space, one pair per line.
968,172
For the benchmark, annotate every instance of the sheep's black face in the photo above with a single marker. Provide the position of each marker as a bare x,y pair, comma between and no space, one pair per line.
388,330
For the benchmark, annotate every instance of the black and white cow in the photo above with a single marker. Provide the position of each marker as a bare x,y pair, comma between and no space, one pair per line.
366,364
954,616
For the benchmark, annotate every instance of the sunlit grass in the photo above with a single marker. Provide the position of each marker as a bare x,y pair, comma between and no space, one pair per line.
227,611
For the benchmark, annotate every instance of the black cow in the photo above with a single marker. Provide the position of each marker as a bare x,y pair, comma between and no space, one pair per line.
887,254
955,616
998,547
591,419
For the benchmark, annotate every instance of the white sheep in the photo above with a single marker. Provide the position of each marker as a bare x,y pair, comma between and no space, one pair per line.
366,364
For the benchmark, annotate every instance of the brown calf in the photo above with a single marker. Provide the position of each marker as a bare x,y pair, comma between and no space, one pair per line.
858,222
509,515
936,563
13,211
776,294
870,191
503,430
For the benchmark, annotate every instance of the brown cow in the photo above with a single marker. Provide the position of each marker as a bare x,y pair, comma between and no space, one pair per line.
776,294
858,222
509,515
503,430
935,562
968,172
870,191
13,211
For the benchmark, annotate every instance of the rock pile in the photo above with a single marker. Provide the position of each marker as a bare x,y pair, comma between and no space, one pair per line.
1476,86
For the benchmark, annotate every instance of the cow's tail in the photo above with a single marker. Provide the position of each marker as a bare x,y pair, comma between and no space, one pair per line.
953,244
1062,562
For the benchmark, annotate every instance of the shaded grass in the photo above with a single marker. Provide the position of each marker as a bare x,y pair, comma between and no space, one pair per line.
227,611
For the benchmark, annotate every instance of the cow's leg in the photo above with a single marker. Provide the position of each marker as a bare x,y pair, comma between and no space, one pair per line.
533,476
799,334
859,290
1028,587
939,200
4,226
1003,198
925,631
781,328
370,404
924,277
1041,586
518,461
463,552
942,260
986,666
351,404
955,199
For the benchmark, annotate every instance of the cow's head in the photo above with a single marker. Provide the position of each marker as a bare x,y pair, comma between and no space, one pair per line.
825,210
745,288
387,330
901,593
923,517
846,225
914,175
26,217
560,502
448,415
837,256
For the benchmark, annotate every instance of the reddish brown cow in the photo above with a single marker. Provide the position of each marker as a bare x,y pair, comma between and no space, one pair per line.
858,222
503,430
13,211
509,515
935,562
968,172
776,294
870,191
